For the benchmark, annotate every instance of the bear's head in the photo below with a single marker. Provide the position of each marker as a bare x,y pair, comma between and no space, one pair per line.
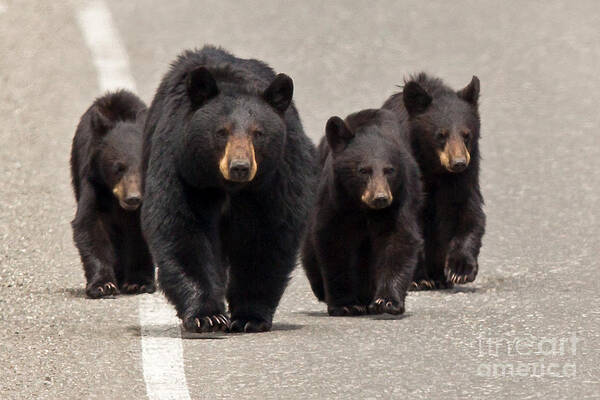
366,157
444,123
233,136
117,157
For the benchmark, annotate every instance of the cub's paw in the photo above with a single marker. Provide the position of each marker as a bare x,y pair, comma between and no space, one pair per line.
249,325
460,267
383,305
138,287
430,284
101,289
347,311
207,323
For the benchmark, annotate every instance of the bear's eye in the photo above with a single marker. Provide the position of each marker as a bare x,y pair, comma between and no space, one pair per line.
441,135
222,132
120,168
388,170
466,135
364,171
257,133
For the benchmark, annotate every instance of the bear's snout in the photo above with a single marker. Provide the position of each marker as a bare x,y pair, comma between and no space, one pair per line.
381,200
455,157
238,163
128,192
458,164
239,170
377,195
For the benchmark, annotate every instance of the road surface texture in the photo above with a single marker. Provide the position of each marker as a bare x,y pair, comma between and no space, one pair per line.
529,327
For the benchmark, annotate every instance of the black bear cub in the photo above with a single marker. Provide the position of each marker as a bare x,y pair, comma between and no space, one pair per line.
363,239
444,129
106,174
228,185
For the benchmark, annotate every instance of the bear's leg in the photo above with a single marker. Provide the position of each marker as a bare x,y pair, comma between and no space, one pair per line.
184,244
338,260
312,269
420,280
460,262
255,289
397,256
365,278
261,259
95,247
138,269
429,273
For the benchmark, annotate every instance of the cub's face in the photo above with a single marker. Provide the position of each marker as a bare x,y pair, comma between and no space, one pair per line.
236,137
119,162
366,164
446,127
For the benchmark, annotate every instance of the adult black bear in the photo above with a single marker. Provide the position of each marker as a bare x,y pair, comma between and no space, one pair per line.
228,185
106,174
363,239
444,128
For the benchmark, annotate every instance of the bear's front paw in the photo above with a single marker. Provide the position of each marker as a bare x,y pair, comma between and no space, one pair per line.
429,284
347,310
460,267
249,325
138,287
98,289
207,323
382,305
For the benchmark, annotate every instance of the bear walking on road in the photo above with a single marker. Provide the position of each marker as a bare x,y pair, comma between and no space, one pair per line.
363,239
229,176
106,175
444,128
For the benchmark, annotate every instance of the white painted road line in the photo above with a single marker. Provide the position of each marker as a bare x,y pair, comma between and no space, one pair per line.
162,350
108,53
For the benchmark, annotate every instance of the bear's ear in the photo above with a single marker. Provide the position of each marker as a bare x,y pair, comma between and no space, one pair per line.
201,86
416,99
470,93
338,134
279,93
101,120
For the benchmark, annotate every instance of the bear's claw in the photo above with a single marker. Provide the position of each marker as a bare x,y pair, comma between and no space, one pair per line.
430,284
102,290
347,311
460,268
249,325
209,323
383,305
136,288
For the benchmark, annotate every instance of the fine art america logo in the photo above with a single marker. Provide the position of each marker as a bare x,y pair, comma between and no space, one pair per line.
528,356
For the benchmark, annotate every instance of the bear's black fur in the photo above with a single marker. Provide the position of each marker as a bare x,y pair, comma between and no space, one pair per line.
444,128
229,176
106,174
363,239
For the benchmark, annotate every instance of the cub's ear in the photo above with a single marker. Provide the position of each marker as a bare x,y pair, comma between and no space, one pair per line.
470,93
416,99
279,93
338,134
101,120
201,86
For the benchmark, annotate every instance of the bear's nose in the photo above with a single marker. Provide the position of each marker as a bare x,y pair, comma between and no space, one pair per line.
380,200
133,200
239,170
458,164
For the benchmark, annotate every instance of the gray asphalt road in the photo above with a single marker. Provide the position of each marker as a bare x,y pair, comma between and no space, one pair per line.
508,335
